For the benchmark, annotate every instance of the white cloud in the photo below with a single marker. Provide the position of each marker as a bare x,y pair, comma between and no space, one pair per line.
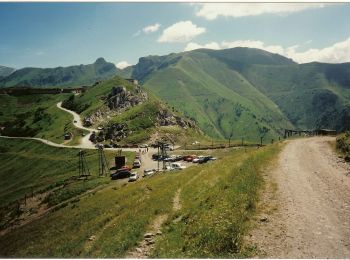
193,46
183,31
151,28
336,53
122,65
211,11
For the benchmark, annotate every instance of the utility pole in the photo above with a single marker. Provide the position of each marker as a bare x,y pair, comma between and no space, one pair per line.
158,155
83,167
102,165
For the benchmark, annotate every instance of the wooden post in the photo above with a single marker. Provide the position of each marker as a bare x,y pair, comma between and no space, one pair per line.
261,139
229,142
242,141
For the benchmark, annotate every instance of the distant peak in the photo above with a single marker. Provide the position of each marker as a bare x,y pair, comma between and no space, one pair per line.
100,60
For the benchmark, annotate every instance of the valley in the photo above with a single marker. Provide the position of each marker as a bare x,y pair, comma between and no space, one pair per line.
256,194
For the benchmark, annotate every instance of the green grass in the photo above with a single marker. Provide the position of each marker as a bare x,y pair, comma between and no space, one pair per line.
217,201
28,165
343,144
37,116
92,100
216,208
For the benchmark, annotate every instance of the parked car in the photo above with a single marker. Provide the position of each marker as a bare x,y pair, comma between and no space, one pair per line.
136,164
189,158
133,177
75,121
196,160
169,159
204,159
107,146
143,146
121,175
148,172
125,167
157,157
177,166
122,169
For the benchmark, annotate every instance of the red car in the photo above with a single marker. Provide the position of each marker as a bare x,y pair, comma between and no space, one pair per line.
189,158
125,167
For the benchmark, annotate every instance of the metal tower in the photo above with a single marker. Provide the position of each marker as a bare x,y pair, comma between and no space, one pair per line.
83,167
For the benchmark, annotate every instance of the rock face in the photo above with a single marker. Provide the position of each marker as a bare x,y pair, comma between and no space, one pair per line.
117,101
116,132
166,118
120,98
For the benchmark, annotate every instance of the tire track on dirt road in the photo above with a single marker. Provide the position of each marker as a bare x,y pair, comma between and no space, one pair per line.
312,219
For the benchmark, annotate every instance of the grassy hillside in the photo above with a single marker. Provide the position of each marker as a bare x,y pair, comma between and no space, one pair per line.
31,167
214,215
140,119
36,116
61,76
308,94
249,92
27,164
222,101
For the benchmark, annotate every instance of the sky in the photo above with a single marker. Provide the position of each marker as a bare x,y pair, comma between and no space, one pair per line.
63,34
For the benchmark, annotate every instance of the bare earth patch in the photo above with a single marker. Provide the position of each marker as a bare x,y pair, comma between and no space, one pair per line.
305,209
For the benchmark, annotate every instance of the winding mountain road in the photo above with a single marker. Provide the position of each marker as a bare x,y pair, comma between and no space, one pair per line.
312,219
85,142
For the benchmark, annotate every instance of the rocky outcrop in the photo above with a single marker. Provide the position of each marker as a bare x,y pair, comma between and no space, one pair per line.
166,118
121,99
116,132
118,100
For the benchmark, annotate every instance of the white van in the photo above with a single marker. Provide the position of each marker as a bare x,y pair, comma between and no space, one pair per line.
177,166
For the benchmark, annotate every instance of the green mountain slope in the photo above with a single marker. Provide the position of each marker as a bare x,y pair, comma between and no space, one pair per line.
311,95
61,76
148,117
249,92
220,99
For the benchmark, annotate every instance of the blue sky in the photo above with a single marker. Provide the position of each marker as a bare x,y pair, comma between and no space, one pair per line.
62,34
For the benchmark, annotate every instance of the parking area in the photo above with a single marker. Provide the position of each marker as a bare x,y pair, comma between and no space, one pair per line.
151,162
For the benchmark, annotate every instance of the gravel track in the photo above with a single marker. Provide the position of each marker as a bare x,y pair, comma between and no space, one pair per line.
312,204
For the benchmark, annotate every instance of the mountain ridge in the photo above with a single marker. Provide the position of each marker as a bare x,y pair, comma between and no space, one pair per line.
74,75
273,91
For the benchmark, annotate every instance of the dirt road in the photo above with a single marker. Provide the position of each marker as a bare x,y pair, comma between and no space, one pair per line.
85,141
311,218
